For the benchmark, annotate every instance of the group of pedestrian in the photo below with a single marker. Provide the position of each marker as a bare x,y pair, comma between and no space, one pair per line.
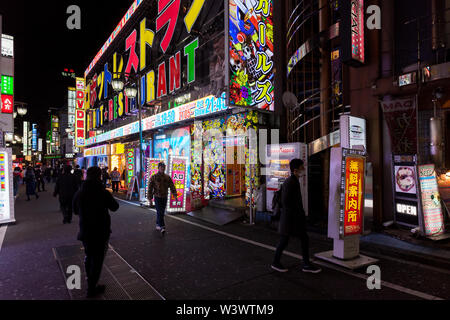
114,176
33,179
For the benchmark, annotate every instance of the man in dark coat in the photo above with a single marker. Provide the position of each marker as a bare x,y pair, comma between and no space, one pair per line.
66,186
92,203
78,174
293,219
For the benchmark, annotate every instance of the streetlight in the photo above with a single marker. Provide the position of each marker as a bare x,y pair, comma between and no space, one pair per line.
131,90
22,110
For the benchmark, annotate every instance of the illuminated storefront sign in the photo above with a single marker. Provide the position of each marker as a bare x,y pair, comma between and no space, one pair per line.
152,169
6,194
40,145
7,103
202,107
80,115
353,24
250,34
130,164
7,85
352,193
144,54
431,201
25,138
406,209
178,173
96,151
7,46
115,33
34,137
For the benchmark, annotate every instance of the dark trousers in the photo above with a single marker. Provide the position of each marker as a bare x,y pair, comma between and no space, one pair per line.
66,208
95,251
284,241
160,204
115,186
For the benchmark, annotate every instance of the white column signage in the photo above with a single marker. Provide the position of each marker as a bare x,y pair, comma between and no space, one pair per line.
6,187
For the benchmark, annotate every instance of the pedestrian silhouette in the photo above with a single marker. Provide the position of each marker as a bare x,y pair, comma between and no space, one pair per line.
30,181
66,186
92,203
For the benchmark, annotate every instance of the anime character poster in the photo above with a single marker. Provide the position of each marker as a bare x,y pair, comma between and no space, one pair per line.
214,159
250,53
196,161
175,143
178,173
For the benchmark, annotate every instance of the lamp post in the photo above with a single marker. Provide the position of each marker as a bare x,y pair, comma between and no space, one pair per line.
132,90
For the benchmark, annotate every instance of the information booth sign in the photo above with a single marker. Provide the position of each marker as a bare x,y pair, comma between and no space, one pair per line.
6,187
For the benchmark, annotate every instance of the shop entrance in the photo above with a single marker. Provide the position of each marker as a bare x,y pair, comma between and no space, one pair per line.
235,164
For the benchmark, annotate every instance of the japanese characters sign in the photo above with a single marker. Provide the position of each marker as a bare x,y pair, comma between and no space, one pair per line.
352,193
7,103
251,50
6,189
352,32
7,85
401,119
80,113
431,201
152,169
178,173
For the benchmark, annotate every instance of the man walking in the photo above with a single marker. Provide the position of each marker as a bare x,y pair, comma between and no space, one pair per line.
293,219
66,186
39,178
92,203
115,180
105,176
158,186
78,174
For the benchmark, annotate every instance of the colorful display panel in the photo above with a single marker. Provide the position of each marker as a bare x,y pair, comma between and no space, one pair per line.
178,173
130,165
7,85
152,169
351,217
6,193
214,159
196,189
431,201
175,143
7,103
251,50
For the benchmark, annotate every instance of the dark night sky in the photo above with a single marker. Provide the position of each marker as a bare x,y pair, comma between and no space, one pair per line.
44,46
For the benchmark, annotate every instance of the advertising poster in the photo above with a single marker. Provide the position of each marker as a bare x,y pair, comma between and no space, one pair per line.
195,188
214,160
130,165
6,193
152,169
175,143
405,181
178,172
250,52
431,201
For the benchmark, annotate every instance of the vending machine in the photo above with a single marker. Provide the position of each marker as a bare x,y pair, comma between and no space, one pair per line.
278,158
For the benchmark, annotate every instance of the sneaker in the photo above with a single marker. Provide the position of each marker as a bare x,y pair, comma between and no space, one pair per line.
311,268
163,231
279,268
158,228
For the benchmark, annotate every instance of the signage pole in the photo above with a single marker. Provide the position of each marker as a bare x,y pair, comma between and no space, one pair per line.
141,164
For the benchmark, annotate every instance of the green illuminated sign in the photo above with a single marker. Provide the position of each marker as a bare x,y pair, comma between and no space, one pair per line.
7,85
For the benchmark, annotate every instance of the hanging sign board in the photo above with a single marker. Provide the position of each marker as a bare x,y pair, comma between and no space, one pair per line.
431,201
178,173
6,187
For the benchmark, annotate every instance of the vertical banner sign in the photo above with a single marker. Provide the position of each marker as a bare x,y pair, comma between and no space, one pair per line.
25,138
431,201
178,173
352,32
7,103
352,193
250,38
7,85
6,193
130,164
152,169
80,113
34,137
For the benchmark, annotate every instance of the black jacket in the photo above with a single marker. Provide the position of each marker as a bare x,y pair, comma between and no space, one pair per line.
292,212
91,203
66,186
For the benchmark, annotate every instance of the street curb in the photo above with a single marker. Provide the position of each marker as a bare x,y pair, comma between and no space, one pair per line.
398,253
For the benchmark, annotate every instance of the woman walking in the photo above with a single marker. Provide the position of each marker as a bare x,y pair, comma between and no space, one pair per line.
30,181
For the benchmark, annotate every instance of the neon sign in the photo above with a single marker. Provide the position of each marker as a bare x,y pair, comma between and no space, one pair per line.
250,52
178,173
130,164
80,113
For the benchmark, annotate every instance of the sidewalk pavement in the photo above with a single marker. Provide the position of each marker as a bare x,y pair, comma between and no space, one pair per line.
391,242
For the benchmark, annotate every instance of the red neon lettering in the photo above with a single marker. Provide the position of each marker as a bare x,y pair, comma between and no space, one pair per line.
133,60
174,72
168,14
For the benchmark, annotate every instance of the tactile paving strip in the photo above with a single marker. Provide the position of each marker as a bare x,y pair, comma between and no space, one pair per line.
121,280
